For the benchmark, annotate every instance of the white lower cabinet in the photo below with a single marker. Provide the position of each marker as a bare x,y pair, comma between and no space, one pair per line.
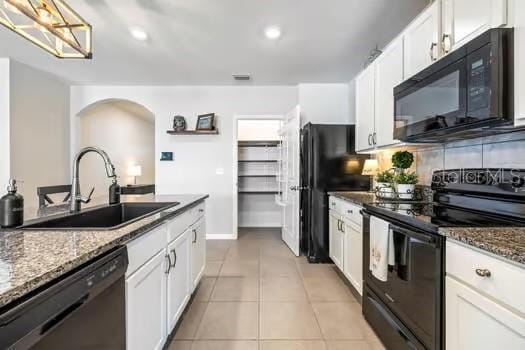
165,266
146,305
178,278
484,301
198,251
346,240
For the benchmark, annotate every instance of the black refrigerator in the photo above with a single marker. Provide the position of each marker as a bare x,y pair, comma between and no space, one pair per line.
328,163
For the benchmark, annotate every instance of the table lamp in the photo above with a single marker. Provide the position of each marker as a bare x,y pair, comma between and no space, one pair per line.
371,169
134,171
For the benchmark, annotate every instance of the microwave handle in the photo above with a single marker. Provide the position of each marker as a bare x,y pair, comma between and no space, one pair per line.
410,233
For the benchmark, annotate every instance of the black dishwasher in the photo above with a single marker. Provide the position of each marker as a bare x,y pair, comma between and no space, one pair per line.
83,310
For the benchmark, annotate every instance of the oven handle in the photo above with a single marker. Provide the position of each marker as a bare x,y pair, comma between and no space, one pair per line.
411,233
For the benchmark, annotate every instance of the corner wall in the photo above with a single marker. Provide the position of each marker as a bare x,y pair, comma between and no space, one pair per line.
4,124
325,104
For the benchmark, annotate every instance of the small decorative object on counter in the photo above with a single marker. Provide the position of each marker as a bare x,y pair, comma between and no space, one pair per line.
406,185
114,192
11,207
206,122
402,160
179,123
385,184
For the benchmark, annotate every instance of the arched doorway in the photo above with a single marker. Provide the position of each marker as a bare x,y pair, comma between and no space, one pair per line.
126,131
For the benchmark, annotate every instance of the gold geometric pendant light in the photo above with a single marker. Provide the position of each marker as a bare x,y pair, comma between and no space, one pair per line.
50,24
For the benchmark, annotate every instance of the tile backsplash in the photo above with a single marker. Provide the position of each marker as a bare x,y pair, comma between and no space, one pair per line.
501,151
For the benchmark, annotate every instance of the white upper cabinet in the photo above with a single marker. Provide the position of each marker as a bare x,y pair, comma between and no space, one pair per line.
463,20
519,56
364,104
421,40
389,73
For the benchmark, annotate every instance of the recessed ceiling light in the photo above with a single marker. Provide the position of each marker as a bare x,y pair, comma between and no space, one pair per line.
138,33
272,32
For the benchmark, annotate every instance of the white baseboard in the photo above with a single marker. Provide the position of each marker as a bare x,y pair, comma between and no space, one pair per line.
221,236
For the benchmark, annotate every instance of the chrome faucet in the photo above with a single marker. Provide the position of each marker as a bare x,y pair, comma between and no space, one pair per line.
76,197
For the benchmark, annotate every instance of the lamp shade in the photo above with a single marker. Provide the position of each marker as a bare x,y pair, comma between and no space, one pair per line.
371,167
134,170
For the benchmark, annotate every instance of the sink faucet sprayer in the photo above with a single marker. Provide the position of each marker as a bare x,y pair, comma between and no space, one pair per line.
76,197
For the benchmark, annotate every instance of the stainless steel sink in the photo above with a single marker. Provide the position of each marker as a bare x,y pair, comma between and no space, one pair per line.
101,218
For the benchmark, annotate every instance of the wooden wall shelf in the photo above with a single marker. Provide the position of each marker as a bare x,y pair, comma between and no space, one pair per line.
194,132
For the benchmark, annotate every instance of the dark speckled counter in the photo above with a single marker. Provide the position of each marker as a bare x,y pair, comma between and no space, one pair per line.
30,259
358,197
506,242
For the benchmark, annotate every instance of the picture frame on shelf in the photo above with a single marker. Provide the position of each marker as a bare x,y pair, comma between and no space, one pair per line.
206,122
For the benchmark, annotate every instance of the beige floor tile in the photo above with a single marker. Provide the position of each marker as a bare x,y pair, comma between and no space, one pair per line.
216,254
240,268
278,267
243,252
229,321
317,270
327,289
276,251
340,321
288,321
283,289
236,289
205,288
191,320
218,244
212,268
180,345
225,345
292,345
348,345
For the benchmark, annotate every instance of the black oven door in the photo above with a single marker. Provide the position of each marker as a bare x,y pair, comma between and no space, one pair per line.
413,288
437,102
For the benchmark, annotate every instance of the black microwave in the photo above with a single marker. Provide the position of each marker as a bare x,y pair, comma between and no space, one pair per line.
466,94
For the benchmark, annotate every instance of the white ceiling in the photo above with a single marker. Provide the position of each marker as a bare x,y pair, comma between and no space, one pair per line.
206,41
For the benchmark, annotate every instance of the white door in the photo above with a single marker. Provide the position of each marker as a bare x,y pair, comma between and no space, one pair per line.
289,177
421,41
475,322
178,278
353,254
336,239
198,251
519,56
463,20
389,73
146,305
364,105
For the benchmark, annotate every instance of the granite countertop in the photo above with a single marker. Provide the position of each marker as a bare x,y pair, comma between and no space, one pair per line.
29,259
506,242
357,197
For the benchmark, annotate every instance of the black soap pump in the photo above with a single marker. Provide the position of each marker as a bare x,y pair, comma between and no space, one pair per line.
11,207
114,192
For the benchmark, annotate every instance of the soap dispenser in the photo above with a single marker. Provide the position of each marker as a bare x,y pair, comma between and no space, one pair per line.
11,207
114,192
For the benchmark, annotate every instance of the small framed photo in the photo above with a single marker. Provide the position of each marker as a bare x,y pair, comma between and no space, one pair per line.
205,122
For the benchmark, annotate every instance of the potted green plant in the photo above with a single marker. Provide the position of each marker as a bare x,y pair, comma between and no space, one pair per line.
402,160
406,184
385,184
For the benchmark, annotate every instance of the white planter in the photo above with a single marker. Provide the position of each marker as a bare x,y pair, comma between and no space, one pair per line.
385,190
405,191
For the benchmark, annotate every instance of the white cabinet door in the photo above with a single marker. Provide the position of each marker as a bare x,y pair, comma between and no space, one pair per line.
519,56
463,20
389,73
198,251
336,239
421,41
146,305
353,255
179,288
474,322
364,104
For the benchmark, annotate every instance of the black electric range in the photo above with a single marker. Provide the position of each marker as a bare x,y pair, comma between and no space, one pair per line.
406,310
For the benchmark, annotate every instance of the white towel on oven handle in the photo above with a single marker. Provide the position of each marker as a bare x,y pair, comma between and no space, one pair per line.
381,251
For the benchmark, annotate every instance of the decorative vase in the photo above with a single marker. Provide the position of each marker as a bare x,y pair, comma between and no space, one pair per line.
405,191
384,190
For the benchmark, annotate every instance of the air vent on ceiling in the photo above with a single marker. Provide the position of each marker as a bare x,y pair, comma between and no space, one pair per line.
241,77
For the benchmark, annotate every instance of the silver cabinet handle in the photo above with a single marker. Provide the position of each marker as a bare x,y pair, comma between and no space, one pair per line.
167,271
374,138
483,273
444,39
338,225
174,257
350,211
201,210
370,139
432,46
194,236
